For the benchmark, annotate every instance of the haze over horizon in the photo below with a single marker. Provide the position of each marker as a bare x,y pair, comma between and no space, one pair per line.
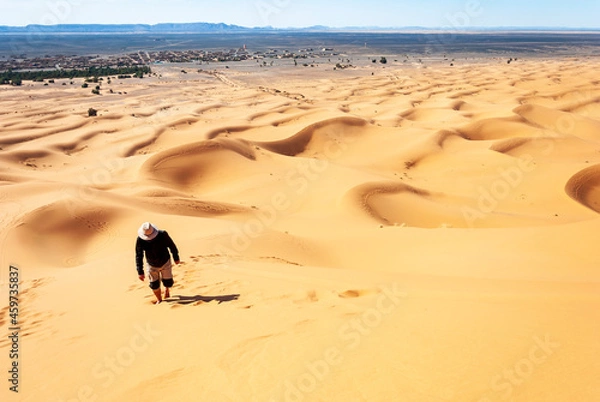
296,14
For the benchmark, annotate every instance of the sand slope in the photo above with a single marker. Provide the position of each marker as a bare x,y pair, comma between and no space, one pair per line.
419,234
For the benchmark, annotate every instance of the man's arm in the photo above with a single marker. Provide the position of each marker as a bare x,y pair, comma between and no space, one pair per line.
139,257
171,245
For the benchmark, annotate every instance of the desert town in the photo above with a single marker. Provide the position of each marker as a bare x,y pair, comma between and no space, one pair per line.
143,58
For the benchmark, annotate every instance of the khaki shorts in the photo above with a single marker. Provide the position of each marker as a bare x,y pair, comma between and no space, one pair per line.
164,273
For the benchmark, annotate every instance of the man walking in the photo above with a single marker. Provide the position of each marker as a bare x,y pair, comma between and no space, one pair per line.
155,244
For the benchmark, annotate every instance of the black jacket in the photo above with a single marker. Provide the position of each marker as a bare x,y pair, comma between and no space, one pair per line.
157,251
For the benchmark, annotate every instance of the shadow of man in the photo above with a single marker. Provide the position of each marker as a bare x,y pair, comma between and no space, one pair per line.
179,299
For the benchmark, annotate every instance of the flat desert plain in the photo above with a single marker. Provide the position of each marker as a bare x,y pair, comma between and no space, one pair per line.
398,233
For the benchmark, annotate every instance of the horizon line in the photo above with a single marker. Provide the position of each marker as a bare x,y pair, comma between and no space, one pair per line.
325,27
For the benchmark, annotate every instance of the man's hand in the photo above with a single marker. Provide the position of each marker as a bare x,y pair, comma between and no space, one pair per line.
142,277
177,262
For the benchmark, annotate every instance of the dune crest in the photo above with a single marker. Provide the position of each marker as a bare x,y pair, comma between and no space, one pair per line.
67,233
327,130
561,123
182,167
584,187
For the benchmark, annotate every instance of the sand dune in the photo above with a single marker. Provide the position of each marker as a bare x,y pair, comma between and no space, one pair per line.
135,145
401,205
186,167
401,232
584,187
184,206
77,231
315,136
227,131
561,122
429,114
499,128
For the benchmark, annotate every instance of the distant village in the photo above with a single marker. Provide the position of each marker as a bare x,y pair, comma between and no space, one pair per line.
143,58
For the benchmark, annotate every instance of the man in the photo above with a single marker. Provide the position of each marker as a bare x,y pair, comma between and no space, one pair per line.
155,244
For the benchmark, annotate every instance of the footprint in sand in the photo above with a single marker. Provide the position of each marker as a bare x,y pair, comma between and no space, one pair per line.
354,293
350,294
310,297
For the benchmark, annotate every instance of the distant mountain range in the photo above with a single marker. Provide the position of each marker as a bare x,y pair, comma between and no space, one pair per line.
205,27
125,28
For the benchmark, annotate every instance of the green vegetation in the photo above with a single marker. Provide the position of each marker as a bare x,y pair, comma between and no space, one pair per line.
91,74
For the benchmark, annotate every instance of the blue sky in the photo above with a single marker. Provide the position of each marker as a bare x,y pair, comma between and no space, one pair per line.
299,13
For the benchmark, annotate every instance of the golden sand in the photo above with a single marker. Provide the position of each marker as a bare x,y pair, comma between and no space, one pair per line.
419,234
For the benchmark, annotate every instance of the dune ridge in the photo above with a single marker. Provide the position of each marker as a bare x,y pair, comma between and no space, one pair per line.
297,144
584,186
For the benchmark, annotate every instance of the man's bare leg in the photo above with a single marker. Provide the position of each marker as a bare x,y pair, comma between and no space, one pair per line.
167,293
157,293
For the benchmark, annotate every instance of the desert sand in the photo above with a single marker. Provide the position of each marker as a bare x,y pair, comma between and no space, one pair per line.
398,233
